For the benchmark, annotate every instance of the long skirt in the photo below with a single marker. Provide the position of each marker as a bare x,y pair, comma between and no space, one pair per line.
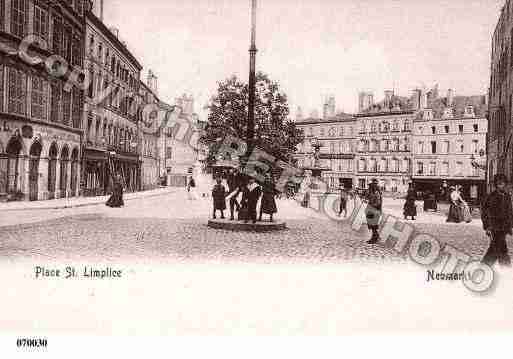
455,214
115,200
410,209
268,204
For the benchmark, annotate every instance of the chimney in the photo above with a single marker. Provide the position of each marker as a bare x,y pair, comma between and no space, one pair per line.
115,31
450,97
416,99
388,98
365,101
423,99
331,106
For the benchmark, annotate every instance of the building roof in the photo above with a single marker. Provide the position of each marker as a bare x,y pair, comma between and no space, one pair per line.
396,104
114,39
340,117
459,104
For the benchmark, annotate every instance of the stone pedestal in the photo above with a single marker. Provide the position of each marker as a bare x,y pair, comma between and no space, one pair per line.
240,226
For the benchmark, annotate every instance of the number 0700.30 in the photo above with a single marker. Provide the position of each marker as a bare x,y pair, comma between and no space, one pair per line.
31,343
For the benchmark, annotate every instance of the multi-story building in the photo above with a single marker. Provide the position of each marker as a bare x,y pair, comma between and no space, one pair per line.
182,155
149,137
500,116
40,108
111,142
336,136
384,133
447,138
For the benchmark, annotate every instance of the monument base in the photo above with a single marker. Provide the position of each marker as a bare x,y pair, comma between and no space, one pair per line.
241,226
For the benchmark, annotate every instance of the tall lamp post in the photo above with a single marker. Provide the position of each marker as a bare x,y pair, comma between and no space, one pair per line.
252,81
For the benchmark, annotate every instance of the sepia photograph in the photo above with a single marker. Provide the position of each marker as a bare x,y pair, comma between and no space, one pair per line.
255,168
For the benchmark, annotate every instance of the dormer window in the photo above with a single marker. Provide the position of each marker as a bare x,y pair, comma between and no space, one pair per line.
469,111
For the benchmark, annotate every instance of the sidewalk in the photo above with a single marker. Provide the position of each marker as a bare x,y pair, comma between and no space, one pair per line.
76,202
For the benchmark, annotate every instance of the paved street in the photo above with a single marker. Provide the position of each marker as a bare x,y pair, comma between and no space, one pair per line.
180,277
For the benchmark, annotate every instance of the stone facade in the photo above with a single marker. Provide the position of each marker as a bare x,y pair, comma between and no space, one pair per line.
111,134
40,110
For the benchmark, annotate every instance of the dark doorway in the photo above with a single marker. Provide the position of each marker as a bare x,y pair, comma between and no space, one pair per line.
52,170
35,156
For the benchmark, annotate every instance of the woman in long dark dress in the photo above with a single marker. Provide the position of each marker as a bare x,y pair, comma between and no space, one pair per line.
250,198
410,209
456,208
374,210
268,203
116,199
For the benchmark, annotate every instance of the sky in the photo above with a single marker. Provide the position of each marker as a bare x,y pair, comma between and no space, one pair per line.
313,48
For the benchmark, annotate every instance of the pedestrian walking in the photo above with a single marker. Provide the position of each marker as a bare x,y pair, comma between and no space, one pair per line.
191,189
374,210
497,217
116,199
268,203
455,214
410,208
344,195
219,198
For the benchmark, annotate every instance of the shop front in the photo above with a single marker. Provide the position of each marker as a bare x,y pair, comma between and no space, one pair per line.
101,165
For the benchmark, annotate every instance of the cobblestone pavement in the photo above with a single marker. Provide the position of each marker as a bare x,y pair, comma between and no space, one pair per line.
180,277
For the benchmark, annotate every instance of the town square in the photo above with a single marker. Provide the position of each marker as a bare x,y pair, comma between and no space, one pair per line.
340,177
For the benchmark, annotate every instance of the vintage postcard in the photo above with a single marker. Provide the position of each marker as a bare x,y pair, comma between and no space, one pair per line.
255,168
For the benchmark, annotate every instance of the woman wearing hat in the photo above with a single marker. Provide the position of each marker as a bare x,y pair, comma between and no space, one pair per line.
456,210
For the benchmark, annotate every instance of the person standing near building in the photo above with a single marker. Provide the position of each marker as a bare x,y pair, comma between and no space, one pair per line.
343,201
497,217
219,198
410,208
191,189
116,199
374,210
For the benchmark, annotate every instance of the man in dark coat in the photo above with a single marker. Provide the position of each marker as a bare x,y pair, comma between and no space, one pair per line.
250,199
373,210
497,216
219,197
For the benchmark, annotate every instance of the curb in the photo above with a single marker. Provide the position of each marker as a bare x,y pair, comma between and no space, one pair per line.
90,204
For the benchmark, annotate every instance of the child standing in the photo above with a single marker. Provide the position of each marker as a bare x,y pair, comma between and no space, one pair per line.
219,197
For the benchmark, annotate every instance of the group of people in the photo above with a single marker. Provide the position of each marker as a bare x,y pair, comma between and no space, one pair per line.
496,215
243,195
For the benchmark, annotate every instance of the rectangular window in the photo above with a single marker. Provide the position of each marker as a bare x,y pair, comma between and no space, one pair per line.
447,147
90,89
57,36
461,146
1,88
76,51
420,168
433,130
476,128
17,91
66,107
38,107
55,104
475,145
66,44
432,169
433,146
446,129
459,168
460,128
19,17
40,22
445,168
